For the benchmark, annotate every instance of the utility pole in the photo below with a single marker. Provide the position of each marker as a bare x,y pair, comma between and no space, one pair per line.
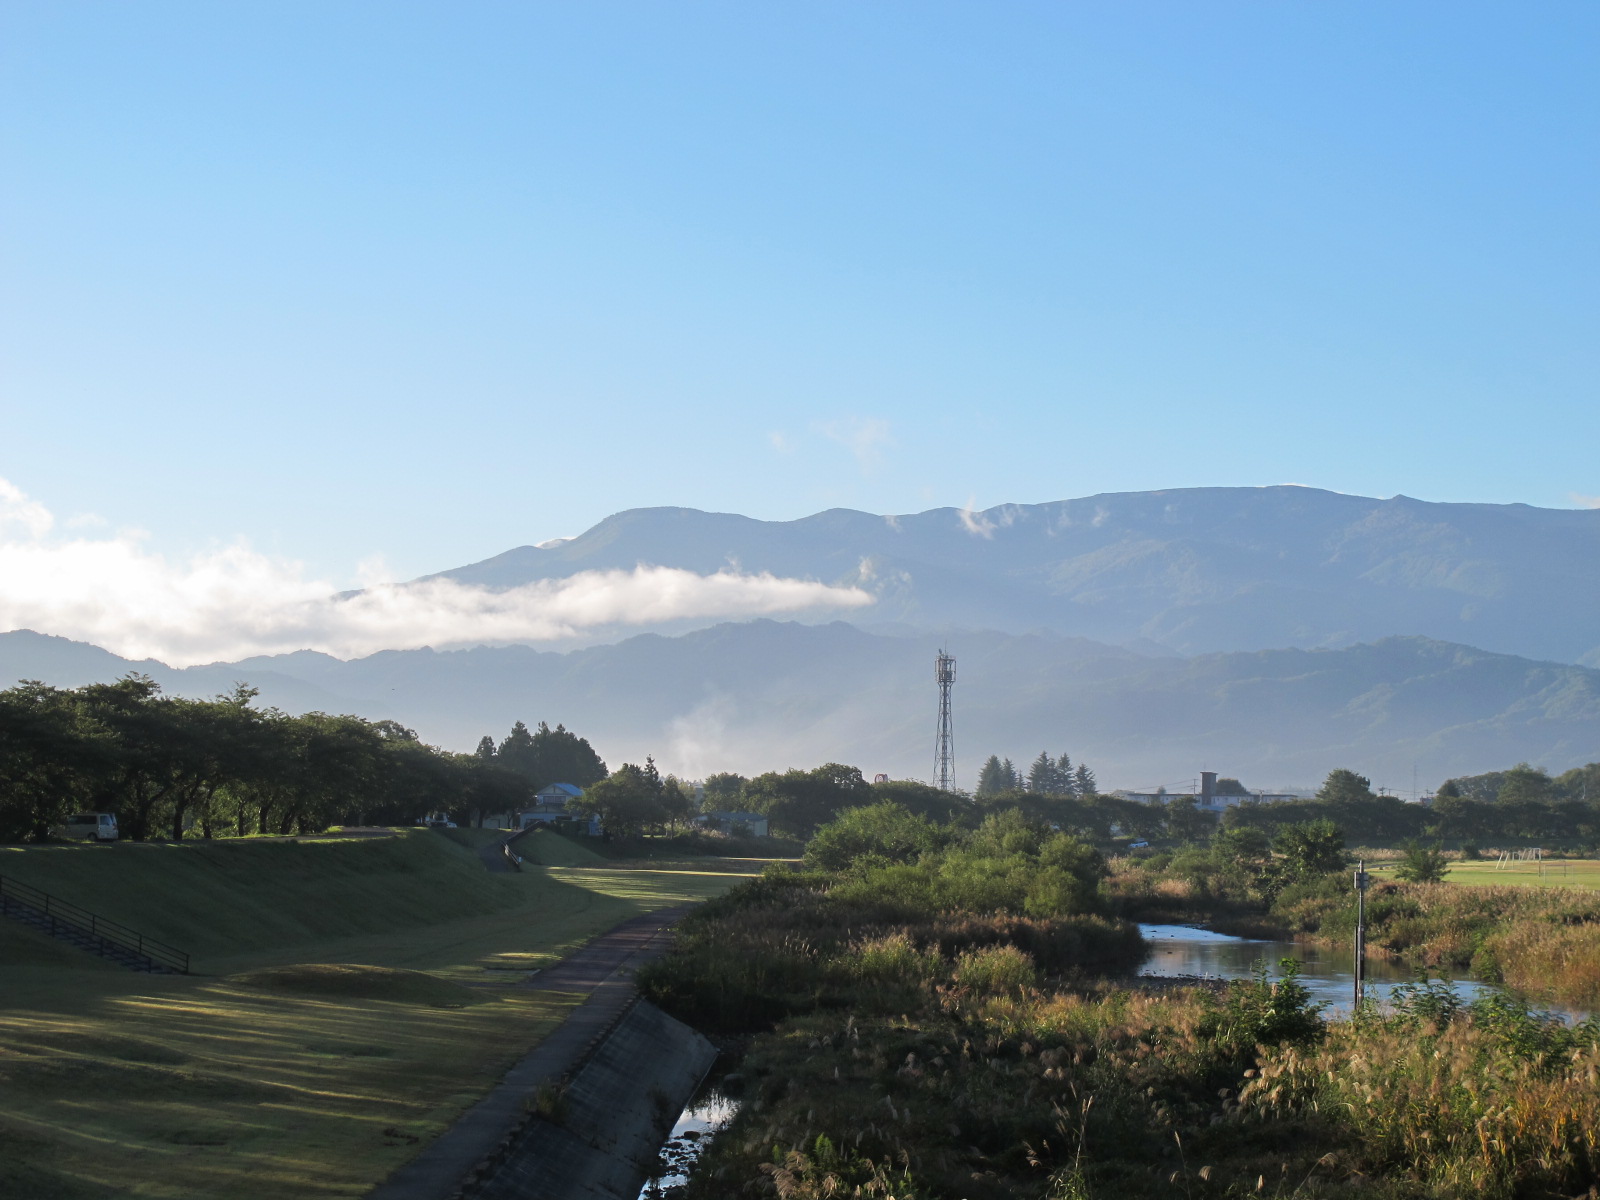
944,742
1361,935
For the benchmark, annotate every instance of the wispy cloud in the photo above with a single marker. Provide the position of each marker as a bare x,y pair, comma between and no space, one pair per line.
18,514
1583,501
781,441
864,437
233,602
975,522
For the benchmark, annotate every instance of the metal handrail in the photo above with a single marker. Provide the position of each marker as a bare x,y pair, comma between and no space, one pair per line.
64,913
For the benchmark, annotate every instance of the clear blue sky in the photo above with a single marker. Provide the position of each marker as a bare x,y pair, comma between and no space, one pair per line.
430,280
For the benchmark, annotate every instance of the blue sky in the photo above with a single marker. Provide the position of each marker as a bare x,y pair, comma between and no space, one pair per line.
425,281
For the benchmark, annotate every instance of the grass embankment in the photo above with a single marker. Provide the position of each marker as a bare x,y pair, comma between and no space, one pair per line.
332,1034
922,1056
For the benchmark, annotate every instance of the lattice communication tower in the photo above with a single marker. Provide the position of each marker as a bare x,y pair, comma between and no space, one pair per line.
944,745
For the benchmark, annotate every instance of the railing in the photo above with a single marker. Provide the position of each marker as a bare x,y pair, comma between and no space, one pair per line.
61,915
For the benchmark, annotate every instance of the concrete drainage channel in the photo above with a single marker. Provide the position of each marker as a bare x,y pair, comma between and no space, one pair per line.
597,1133
705,1116
583,1115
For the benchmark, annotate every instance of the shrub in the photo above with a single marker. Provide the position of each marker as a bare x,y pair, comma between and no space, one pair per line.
1420,864
999,970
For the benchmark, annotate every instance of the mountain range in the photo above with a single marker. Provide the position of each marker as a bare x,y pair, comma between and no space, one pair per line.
1269,633
1193,571
762,695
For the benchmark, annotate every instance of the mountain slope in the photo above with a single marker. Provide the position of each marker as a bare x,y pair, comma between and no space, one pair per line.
765,694
1196,570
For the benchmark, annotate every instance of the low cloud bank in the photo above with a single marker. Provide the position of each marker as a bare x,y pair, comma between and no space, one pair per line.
234,602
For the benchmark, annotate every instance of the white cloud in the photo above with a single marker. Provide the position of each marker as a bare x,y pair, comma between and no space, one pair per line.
1583,501
865,437
234,602
17,512
975,522
781,442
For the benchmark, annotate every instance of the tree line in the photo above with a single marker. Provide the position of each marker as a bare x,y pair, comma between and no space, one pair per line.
1520,805
1046,776
168,766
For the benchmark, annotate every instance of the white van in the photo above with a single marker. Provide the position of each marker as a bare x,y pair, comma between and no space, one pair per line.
101,827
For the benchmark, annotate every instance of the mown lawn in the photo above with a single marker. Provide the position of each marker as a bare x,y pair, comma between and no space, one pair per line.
239,1083
1555,872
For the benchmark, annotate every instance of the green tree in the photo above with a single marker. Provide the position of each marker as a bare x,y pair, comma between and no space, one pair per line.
724,792
1345,787
993,778
1083,781
1042,778
626,801
797,802
876,834
1421,864
1312,847
1187,821
1523,784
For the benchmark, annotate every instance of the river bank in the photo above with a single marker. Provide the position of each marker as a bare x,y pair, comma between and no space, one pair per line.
898,1065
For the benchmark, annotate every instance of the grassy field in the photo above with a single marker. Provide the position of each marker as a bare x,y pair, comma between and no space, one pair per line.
1555,872
266,1076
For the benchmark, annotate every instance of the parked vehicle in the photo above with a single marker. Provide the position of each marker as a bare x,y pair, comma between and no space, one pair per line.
99,827
436,821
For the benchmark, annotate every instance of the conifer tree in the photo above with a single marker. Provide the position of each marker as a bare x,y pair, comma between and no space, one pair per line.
1042,775
1084,782
991,778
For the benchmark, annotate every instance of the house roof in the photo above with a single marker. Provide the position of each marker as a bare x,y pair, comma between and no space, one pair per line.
566,789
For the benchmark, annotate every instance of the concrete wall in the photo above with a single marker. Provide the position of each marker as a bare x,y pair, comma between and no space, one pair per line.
617,1110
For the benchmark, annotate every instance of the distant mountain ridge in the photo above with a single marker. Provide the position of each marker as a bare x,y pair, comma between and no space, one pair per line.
765,694
1196,570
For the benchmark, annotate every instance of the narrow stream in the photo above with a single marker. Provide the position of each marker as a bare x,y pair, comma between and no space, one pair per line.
707,1113
1176,951
1187,950
1179,950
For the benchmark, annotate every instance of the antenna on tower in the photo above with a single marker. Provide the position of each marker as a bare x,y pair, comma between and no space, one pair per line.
944,745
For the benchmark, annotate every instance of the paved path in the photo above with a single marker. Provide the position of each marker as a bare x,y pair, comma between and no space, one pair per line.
604,970
493,855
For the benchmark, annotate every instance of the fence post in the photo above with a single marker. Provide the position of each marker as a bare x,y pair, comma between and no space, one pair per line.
1361,936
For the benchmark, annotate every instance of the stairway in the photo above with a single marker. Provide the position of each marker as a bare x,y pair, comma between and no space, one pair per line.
88,931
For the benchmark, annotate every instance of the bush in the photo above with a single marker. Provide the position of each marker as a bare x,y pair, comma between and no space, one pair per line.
997,971
1421,864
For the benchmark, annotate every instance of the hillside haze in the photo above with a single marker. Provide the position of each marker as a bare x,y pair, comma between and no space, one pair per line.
1195,571
762,695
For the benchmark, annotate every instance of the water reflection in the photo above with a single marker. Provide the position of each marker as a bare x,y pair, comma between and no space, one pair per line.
1177,950
707,1113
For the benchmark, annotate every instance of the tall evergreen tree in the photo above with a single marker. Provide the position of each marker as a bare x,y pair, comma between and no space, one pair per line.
992,778
1042,775
1064,774
485,750
1013,779
1084,782
517,753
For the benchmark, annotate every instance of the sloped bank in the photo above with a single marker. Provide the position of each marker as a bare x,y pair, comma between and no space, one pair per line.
595,1137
